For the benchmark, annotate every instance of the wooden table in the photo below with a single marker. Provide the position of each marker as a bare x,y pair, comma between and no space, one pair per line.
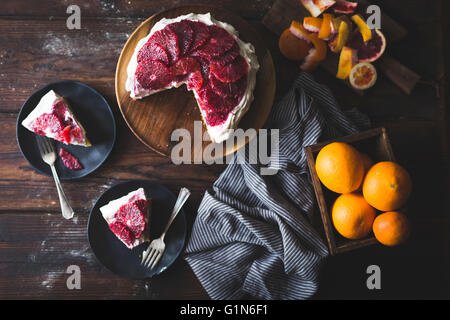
37,244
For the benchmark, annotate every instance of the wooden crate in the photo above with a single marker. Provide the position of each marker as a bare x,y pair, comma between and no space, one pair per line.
374,143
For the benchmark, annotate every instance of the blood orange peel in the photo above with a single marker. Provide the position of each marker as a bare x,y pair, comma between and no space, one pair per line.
363,76
343,6
325,28
312,24
316,7
366,32
315,55
347,60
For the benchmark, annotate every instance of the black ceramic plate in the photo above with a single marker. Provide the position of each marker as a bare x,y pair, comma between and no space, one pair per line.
94,113
114,255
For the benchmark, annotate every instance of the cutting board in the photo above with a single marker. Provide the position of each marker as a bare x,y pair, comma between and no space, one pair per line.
280,16
154,118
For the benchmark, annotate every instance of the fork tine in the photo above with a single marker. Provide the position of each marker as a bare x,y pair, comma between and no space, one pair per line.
39,144
146,254
156,260
149,255
152,258
48,144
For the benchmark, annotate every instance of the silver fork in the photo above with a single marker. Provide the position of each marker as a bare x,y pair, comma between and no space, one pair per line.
155,250
48,154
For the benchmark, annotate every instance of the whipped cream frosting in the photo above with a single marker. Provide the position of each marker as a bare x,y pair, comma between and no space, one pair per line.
224,130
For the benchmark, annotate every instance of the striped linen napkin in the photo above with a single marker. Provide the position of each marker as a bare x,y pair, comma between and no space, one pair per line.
252,237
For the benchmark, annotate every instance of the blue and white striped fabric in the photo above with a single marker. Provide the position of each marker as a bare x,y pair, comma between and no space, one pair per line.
252,237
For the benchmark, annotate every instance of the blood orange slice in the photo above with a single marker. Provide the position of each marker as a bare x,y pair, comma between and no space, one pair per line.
363,76
232,72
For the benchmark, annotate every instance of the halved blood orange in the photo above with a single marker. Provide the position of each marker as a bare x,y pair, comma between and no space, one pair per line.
316,7
347,60
292,47
363,76
366,32
312,24
325,29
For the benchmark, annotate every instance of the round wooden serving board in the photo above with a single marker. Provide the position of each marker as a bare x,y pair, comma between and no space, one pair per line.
154,118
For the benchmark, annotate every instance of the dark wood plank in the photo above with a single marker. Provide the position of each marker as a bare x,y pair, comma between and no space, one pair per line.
36,250
123,8
130,159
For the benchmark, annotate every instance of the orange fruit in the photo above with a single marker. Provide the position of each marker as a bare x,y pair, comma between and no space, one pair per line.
325,28
363,76
387,186
352,216
292,47
312,24
339,167
347,60
391,228
367,161
316,54
366,32
316,7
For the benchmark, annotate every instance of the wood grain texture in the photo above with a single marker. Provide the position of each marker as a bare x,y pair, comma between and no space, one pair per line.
36,48
154,118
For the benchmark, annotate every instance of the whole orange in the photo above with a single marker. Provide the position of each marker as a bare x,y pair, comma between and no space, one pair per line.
387,186
367,161
292,47
391,228
352,216
339,167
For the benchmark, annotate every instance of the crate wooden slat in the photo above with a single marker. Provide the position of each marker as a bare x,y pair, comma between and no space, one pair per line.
376,144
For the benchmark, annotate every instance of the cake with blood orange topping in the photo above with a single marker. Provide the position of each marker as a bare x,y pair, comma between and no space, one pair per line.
206,55
128,218
54,119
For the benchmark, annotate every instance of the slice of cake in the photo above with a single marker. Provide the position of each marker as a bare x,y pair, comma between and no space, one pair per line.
128,218
205,54
53,118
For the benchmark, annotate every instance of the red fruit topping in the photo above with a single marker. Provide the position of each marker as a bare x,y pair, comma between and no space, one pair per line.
153,51
122,232
132,216
343,6
230,89
185,35
220,42
185,66
65,135
201,34
59,108
169,41
228,57
69,160
231,72
217,108
153,75
195,81
47,121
